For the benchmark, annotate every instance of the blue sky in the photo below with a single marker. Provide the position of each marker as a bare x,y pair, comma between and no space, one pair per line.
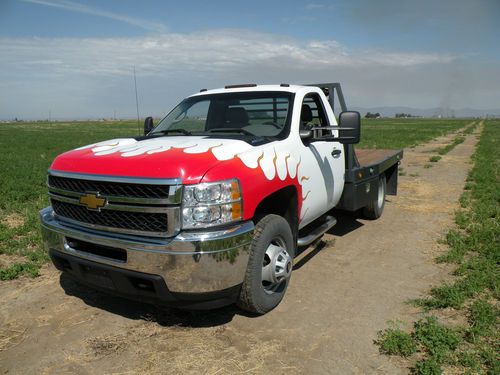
75,58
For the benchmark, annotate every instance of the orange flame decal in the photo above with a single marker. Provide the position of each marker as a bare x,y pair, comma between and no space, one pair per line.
211,148
260,158
305,197
286,160
298,165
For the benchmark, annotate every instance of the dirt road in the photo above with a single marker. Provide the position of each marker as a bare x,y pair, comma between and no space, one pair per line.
342,292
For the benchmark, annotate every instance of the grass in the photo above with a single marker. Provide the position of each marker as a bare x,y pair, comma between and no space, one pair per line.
29,148
401,133
394,341
27,152
456,141
432,340
474,247
435,158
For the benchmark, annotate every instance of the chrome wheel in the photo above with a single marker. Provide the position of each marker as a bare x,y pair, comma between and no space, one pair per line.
276,267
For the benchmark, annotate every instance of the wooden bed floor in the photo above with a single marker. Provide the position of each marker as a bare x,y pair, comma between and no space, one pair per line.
369,157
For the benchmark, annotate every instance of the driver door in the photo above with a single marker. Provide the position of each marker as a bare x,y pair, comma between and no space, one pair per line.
323,179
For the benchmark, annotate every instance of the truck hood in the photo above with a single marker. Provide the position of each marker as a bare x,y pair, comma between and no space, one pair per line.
166,157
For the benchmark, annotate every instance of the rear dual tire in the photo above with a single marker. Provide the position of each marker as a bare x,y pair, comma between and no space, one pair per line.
375,208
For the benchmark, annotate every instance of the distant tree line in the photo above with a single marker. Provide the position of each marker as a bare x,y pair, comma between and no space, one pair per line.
404,115
372,115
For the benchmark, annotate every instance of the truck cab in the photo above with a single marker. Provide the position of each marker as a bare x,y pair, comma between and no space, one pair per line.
211,205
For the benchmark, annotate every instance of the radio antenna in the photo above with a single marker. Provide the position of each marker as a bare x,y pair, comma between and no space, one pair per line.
137,103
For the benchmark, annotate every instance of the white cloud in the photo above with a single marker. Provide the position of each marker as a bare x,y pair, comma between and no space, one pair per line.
82,8
214,51
93,76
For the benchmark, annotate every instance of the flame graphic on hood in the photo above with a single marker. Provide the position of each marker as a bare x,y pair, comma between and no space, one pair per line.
275,160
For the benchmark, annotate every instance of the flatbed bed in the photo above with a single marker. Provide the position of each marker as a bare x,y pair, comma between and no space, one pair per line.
367,157
362,179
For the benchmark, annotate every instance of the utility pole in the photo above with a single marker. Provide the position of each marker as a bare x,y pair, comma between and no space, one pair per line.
137,103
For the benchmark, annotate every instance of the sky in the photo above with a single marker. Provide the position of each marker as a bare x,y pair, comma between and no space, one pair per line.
75,59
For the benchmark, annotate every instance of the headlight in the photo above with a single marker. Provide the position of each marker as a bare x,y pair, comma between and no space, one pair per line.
210,204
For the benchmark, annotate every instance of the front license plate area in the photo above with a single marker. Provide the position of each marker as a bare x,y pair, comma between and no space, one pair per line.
97,277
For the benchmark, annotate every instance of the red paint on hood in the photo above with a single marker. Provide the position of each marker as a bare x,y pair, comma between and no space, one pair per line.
173,163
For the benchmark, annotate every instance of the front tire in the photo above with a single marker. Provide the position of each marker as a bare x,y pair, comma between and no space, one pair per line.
376,207
269,267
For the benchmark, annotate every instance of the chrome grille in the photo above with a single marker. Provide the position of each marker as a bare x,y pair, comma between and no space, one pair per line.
110,188
147,207
134,221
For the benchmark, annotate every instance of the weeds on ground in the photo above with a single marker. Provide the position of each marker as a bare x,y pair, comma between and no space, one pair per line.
474,246
444,150
469,129
432,340
434,158
395,341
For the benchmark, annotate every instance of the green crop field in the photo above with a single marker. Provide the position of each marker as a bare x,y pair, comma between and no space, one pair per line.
29,148
401,133
471,345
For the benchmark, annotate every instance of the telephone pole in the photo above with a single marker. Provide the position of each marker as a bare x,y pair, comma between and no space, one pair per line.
137,103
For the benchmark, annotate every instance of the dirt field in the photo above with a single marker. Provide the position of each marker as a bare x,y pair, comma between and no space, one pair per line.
342,292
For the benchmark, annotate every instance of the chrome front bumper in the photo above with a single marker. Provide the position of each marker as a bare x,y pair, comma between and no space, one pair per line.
191,262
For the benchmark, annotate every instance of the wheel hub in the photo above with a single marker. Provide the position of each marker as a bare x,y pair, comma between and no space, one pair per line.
277,266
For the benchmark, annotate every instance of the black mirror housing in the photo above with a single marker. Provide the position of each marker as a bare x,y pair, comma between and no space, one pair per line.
349,127
148,125
305,134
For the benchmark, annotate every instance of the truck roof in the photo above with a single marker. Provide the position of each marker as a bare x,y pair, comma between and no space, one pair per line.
252,88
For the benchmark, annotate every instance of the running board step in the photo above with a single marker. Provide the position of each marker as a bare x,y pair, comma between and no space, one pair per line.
317,232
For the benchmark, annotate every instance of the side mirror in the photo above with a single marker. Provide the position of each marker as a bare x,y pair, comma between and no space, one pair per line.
148,125
305,134
349,127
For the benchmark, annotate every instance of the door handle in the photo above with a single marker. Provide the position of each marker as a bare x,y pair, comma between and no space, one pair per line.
336,152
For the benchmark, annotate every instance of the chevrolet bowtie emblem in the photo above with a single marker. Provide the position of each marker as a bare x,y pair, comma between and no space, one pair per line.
93,201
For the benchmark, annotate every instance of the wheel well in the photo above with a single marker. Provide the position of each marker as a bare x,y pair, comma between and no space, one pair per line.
282,202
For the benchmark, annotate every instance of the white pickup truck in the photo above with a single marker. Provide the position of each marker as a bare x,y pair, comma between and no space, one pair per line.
211,205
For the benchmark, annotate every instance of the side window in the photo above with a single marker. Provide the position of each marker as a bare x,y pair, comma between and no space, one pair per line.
194,118
313,113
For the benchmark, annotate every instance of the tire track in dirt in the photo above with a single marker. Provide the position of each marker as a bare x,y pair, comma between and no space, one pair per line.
341,294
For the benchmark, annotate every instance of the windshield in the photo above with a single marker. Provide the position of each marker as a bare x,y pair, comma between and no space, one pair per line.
263,114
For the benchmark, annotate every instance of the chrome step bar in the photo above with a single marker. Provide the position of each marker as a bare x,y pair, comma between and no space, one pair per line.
317,232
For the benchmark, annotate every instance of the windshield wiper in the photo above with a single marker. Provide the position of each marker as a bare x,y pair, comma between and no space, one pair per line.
166,131
230,130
